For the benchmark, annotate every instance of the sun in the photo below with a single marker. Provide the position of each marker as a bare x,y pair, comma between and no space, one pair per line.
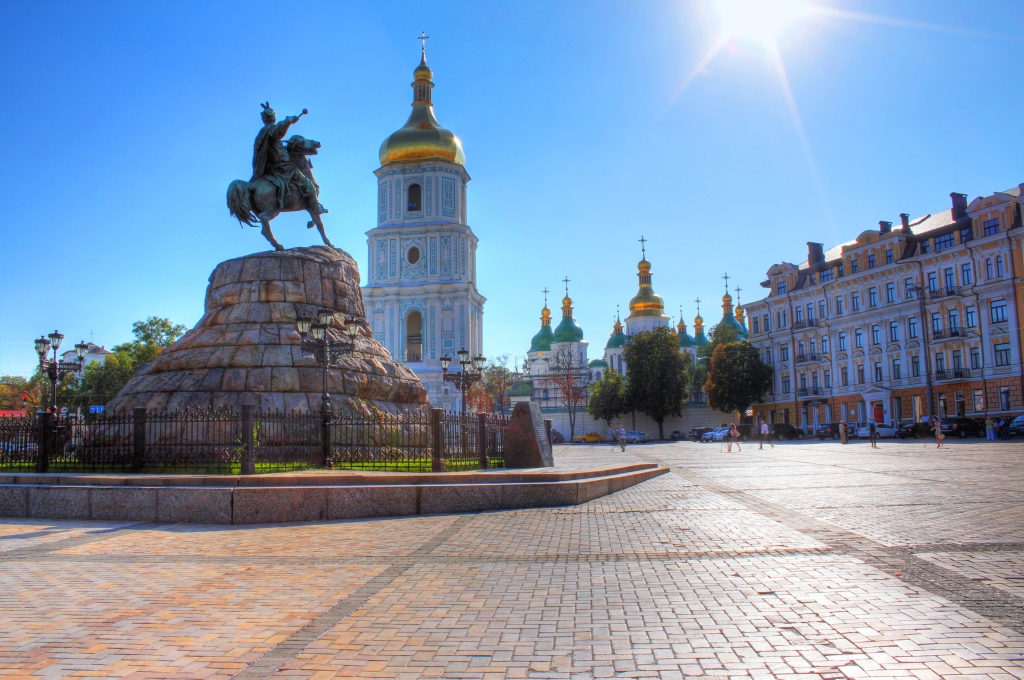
759,20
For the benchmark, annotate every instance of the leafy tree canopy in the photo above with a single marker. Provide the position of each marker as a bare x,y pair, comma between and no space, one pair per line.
608,397
737,377
657,375
157,331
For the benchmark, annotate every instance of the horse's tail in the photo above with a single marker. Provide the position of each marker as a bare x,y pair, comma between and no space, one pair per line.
238,202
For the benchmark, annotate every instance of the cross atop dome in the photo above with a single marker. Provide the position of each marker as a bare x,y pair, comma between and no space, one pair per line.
423,39
643,250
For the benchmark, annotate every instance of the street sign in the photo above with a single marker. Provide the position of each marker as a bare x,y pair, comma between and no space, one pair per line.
95,409
63,410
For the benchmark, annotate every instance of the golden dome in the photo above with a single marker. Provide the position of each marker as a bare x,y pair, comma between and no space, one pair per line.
422,137
727,304
545,316
646,302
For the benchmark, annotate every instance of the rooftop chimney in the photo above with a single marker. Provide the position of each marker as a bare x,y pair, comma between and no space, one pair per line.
884,227
959,205
815,253
905,219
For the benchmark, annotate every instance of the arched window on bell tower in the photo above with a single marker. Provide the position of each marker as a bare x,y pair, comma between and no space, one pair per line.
414,336
415,196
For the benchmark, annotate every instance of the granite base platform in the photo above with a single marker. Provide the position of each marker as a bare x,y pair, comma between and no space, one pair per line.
302,497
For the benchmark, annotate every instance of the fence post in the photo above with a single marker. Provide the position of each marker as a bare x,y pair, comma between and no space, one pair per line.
325,433
44,422
547,431
248,461
437,462
139,438
481,441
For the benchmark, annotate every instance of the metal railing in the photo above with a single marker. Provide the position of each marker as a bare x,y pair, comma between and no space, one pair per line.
939,293
248,442
946,333
809,356
809,391
806,323
953,374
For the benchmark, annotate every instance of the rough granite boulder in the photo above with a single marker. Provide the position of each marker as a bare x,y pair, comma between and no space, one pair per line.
245,349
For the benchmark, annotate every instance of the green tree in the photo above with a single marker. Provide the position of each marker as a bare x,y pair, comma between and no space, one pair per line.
158,331
499,380
608,397
657,375
737,377
13,388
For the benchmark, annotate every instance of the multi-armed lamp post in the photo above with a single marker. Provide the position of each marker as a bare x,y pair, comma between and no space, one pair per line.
470,373
320,345
54,368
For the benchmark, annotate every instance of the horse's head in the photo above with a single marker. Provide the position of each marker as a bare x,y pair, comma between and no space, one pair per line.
301,146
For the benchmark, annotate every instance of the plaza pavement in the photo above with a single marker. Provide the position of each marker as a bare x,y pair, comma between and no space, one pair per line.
809,560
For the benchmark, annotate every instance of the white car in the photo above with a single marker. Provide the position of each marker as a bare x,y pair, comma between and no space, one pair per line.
883,431
633,437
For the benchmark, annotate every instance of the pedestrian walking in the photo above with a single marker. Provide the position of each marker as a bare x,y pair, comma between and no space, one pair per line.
873,434
612,436
622,439
1004,429
843,433
764,436
937,429
734,437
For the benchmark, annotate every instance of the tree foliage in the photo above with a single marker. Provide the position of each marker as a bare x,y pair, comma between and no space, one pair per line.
570,376
477,399
657,375
13,388
737,377
499,379
608,397
158,331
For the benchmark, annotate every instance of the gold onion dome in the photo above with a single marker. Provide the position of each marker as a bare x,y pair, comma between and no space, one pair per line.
422,137
646,302
542,341
568,330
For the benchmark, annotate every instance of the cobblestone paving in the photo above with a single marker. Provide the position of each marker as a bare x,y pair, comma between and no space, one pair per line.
810,560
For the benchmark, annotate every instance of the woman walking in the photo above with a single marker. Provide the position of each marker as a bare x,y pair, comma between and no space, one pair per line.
734,437
937,429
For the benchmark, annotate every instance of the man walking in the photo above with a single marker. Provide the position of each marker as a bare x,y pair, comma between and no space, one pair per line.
764,436
873,434
622,439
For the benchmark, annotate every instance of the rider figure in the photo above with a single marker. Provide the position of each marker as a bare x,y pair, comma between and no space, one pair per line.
270,160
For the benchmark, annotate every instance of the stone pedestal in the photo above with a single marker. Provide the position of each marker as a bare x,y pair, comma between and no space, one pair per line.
245,349
526,442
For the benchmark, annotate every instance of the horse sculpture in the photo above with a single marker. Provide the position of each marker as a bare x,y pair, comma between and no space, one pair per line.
257,202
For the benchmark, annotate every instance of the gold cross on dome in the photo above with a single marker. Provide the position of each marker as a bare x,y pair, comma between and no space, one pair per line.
566,280
423,39
738,289
545,291
726,277
698,306
643,250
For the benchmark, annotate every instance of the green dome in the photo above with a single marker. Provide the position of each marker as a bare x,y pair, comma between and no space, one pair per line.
686,341
598,363
542,341
568,330
729,319
617,338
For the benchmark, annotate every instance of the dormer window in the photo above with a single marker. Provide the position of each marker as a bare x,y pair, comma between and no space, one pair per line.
782,287
415,198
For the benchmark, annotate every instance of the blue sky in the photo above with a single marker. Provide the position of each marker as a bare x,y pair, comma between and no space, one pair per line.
126,122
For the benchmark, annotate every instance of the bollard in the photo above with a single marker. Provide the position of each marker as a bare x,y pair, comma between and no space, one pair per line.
547,430
248,461
139,438
437,459
481,441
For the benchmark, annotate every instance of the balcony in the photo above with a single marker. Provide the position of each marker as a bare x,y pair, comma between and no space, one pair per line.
953,374
803,358
806,323
947,333
939,293
413,355
809,392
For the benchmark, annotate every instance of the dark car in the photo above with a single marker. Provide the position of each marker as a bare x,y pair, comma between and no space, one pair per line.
916,430
698,432
676,435
556,437
830,431
961,427
785,431
1017,426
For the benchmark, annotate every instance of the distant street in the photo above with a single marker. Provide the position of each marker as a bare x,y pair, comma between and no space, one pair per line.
810,560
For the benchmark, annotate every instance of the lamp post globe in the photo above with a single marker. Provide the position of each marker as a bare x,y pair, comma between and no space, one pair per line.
302,324
325,317
81,349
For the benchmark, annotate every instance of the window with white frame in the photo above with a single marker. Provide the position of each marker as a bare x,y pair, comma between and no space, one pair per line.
858,338
915,366
970,316
912,327
998,311
890,292
855,302
975,353
894,331
842,342
991,227
897,370
966,276
1002,353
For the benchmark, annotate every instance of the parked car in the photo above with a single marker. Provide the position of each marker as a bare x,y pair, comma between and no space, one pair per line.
1017,426
588,438
633,437
785,431
709,435
831,431
883,430
698,432
961,427
677,434
917,430
556,437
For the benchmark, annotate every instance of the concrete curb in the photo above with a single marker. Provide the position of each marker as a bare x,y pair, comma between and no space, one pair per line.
302,498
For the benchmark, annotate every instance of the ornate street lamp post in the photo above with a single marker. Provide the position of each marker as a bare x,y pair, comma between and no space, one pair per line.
54,368
316,343
464,379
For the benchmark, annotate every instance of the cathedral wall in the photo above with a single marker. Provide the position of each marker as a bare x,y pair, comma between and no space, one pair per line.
694,415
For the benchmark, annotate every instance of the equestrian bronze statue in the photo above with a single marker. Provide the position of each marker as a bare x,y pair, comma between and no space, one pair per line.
282,179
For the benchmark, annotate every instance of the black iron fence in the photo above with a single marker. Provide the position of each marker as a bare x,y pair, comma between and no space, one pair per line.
250,442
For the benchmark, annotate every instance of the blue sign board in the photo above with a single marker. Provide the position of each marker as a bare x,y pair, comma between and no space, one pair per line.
95,409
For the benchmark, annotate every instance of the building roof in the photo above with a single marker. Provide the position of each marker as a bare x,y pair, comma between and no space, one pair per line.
617,338
598,363
568,330
542,341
